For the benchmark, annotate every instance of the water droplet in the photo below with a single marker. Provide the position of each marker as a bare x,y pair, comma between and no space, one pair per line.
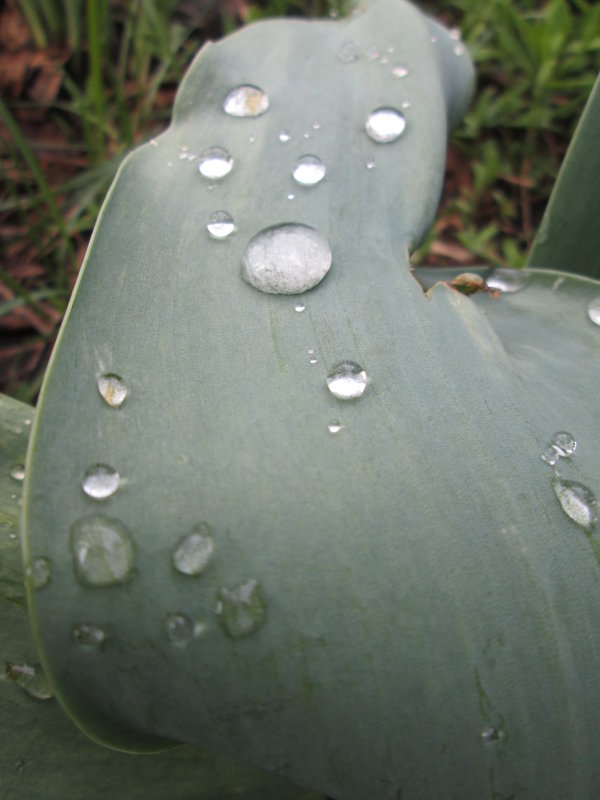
286,259
103,551
347,380
38,572
180,629
215,163
433,39
400,71
454,33
492,734
88,635
313,360
220,225
310,351
299,307
316,125
31,678
383,60
593,310
18,472
372,52
385,125
334,426
183,150
550,456
291,196
406,104
193,552
100,482
506,280
459,49
241,610
112,389
308,170
370,165
564,444
27,421
577,501
284,136
246,101
306,135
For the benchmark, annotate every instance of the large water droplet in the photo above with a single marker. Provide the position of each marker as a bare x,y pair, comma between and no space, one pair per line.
385,125
193,552
90,636
308,170
564,444
577,501
347,380
30,678
220,224
507,281
241,610
180,629
215,163
349,52
246,101
593,310
38,572
286,259
112,389
100,481
103,551
18,472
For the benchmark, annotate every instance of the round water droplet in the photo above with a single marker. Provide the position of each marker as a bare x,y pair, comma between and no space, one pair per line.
308,170
90,636
299,307
103,551
291,196
400,71
286,259
385,125
507,281
38,572
459,49
215,163
564,444
220,224
18,472
27,421
372,52
112,389
246,101
193,552
312,360
347,380
491,734
100,482
577,501
370,165
31,678
550,456
334,426
349,52
180,629
241,610
284,136
593,310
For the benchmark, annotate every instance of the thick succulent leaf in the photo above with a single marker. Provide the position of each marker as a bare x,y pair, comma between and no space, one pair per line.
569,235
401,608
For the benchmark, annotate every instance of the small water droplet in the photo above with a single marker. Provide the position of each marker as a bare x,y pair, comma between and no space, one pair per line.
291,196
406,104
372,52
550,456
577,501
310,351
18,472
241,610
103,551
459,49
385,125
349,52
299,307
334,426
564,444
433,39
180,629
183,150
30,678
347,380
252,139
215,163
316,125
153,142
306,135
90,636
286,259
400,71
246,101
284,136
454,33
370,165
313,360
491,734
38,572
193,552
593,310
506,280
220,225
383,60
100,482
308,170
112,389
27,421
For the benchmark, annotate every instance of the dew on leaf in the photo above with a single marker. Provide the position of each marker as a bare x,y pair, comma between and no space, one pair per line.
507,280
220,225
491,734
299,307
31,678
100,481
193,552
18,472
564,444
241,610
308,170
550,456
39,573
284,136
90,636
334,426
400,71
385,125
180,629
577,501
112,389
103,551
347,380
372,52
215,163
593,310
246,101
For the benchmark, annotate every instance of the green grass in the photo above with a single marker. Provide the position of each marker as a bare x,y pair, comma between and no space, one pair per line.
536,62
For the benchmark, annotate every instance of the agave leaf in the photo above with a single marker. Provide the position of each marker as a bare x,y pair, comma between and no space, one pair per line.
569,235
401,608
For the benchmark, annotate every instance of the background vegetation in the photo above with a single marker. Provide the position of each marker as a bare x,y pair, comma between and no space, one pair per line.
84,81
